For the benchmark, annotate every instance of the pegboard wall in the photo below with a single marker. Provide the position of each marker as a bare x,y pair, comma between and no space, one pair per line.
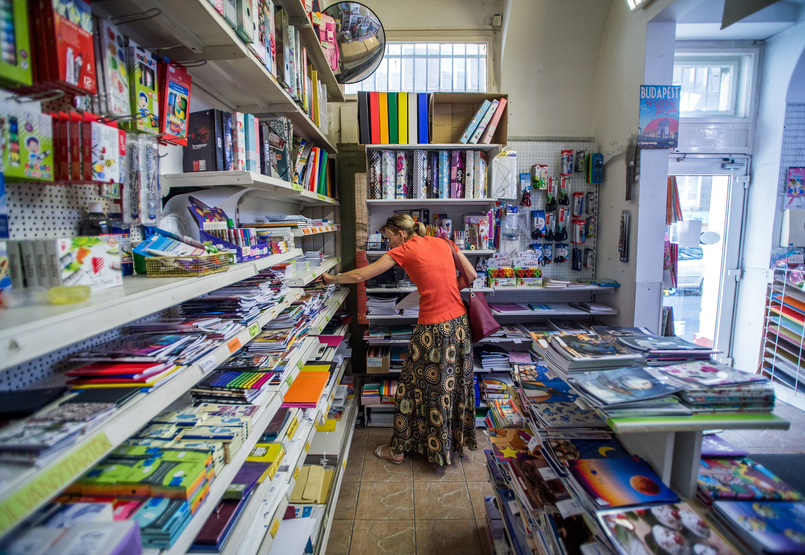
52,364
550,154
792,153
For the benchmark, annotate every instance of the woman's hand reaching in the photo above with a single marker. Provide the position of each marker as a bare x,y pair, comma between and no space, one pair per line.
328,279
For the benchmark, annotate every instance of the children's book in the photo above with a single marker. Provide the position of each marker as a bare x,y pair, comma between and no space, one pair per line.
549,392
709,373
583,347
742,479
620,482
534,373
675,528
566,415
615,331
565,450
652,343
622,385
769,527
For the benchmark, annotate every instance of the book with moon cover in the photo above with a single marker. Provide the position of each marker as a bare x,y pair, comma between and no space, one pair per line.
620,482
565,450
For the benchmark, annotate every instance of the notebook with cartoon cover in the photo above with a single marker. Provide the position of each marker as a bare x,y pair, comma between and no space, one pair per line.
565,450
770,527
549,392
710,374
582,346
622,385
743,479
566,415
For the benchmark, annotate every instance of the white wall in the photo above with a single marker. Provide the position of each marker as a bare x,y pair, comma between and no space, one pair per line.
621,70
781,55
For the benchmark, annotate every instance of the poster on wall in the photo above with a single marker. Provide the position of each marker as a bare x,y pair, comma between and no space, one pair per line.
659,116
795,186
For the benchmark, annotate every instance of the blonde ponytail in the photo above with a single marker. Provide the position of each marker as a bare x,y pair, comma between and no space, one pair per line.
404,223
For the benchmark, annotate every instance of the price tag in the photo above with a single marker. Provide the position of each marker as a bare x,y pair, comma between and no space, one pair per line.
274,527
569,507
296,473
314,275
307,446
254,329
321,197
319,328
344,463
289,381
234,345
533,443
208,363
296,186
299,364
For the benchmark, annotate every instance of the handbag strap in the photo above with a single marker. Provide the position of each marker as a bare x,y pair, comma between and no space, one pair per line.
457,263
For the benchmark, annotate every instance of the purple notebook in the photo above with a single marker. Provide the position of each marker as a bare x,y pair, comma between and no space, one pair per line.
245,480
715,446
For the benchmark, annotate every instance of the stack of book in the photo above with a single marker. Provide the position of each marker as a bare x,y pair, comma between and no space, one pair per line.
569,353
492,358
710,387
592,308
495,388
381,306
568,326
661,351
380,393
215,328
765,527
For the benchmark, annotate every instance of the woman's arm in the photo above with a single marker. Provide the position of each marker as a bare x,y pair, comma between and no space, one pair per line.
362,274
467,269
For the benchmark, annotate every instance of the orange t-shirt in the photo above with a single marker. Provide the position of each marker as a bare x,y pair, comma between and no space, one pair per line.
429,263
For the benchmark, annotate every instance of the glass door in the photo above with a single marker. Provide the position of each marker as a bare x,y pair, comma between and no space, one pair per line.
712,200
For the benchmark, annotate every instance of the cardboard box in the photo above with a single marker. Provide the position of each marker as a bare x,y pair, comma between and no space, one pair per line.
92,261
452,112
378,364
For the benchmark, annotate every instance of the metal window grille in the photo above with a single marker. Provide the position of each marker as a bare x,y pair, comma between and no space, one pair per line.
428,67
706,89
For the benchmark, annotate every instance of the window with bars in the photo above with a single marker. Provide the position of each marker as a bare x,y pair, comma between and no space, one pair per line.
428,67
712,85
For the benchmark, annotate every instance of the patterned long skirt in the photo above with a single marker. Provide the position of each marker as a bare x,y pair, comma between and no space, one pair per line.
434,410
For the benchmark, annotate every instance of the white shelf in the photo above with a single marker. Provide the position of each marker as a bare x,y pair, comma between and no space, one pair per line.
332,305
273,185
315,230
466,252
42,483
296,361
23,330
436,146
574,312
414,203
598,290
300,279
232,73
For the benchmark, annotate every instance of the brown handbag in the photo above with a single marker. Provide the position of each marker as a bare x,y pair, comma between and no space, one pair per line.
482,323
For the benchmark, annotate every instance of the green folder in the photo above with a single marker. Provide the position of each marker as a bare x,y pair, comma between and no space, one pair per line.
394,135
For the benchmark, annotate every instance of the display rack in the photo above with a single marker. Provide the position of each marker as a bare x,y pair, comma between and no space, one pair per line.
300,279
191,31
480,252
783,350
333,304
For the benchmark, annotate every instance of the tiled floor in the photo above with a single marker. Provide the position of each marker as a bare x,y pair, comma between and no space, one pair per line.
773,442
416,509
412,508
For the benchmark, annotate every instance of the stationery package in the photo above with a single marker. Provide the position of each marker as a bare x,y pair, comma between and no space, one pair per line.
15,62
65,55
144,90
174,96
116,93
28,139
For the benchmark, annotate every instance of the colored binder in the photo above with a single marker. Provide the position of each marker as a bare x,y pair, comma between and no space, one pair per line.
374,118
306,389
424,135
476,136
402,109
394,135
413,117
468,132
364,129
384,118
490,128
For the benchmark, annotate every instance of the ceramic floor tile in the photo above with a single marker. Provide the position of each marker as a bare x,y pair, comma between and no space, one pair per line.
425,471
474,465
735,439
347,501
383,537
378,436
448,537
379,470
340,536
354,468
441,500
772,439
477,491
481,526
385,501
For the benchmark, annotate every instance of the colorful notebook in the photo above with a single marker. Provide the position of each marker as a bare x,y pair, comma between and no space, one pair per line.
374,117
306,389
769,527
383,117
620,482
394,137
565,450
743,479
402,111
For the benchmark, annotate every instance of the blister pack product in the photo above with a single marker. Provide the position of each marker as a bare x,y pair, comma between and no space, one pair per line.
144,90
578,204
576,260
567,162
28,138
537,249
150,196
115,71
589,258
550,196
589,227
539,176
581,161
589,206
550,226
578,235
538,224
509,227
595,168
131,188
564,190
547,254
561,252
561,225
175,98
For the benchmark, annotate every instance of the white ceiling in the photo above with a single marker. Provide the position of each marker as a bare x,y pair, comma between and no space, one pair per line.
703,21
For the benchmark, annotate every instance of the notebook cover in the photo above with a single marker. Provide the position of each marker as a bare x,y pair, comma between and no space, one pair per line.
19,404
413,118
112,369
277,422
775,527
402,109
476,119
117,395
619,482
374,117
220,522
492,125
245,480
743,479
394,136
307,387
476,136
383,116
424,135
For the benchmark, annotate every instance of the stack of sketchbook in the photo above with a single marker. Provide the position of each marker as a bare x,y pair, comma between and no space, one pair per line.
716,388
569,353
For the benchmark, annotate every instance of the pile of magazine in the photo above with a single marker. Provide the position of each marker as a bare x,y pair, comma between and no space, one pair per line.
568,353
659,350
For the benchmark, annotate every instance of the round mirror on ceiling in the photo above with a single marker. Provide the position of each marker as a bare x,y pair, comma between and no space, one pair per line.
360,39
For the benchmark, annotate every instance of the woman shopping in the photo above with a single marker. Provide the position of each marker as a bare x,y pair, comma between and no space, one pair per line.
434,410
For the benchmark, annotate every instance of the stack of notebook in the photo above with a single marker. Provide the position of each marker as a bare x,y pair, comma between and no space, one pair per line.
740,479
381,306
492,358
570,353
661,351
306,389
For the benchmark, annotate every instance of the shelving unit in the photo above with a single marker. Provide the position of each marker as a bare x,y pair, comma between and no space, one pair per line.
21,329
333,304
190,31
494,149
300,279
417,203
569,311
375,254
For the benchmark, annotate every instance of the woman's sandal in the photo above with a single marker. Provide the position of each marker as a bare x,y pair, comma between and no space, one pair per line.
391,459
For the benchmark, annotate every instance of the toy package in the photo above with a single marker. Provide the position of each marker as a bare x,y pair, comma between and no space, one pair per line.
526,269
67,50
107,159
500,271
115,70
174,94
15,58
143,86
28,139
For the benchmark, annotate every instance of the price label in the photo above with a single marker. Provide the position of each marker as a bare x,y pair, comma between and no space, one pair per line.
208,363
289,381
296,473
299,364
307,446
254,329
319,328
296,186
314,275
234,345
548,474
274,527
292,428
344,463
305,232
321,197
